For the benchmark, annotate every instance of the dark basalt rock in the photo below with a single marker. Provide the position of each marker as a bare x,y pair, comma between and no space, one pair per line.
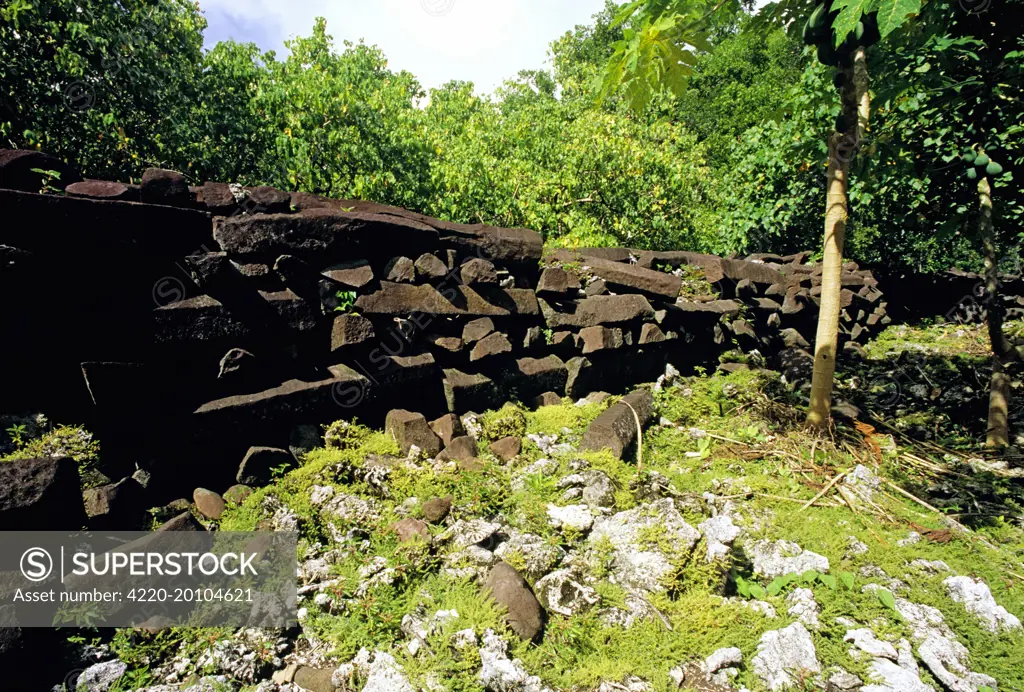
351,330
460,449
102,189
448,427
464,392
352,275
436,509
600,339
477,329
523,612
633,278
490,346
410,429
217,199
40,495
430,268
507,448
477,271
161,186
77,227
119,506
615,430
268,200
558,283
16,170
323,234
400,270
258,467
601,310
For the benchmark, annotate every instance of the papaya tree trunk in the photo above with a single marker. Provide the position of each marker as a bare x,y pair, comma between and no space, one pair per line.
1002,351
842,146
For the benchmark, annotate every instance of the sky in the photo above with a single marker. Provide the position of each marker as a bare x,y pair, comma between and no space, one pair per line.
482,41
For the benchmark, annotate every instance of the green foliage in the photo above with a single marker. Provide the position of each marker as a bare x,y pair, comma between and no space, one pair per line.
508,421
742,83
49,177
886,598
579,176
346,301
16,432
345,434
63,441
105,85
726,154
660,43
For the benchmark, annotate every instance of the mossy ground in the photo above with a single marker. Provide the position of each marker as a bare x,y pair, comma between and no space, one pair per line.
931,381
734,435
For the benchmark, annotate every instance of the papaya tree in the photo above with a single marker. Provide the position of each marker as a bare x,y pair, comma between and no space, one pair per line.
974,97
842,31
658,51
951,120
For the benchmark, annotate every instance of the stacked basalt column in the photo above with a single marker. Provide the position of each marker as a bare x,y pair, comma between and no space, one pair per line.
188,326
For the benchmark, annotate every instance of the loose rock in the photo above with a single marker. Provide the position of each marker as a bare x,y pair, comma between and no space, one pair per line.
525,615
785,656
210,504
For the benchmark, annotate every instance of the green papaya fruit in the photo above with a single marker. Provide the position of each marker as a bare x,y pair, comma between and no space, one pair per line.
994,168
827,55
858,33
817,20
982,160
972,173
970,155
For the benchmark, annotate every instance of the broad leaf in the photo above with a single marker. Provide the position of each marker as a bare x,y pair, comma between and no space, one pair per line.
893,13
850,12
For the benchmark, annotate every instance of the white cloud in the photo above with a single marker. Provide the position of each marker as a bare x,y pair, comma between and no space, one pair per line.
483,41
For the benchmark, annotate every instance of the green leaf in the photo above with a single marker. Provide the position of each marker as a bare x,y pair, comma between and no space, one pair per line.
886,598
829,581
757,591
777,585
893,13
847,579
809,576
850,12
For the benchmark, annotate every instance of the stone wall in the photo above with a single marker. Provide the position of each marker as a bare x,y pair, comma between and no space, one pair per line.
954,295
188,325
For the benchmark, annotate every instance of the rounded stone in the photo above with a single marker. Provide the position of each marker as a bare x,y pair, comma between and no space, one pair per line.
210,504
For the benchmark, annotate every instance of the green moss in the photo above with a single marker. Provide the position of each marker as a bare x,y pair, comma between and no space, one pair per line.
549,420
345,434
703,398
508,421
695,283
767,465
621,473
64,441
947,339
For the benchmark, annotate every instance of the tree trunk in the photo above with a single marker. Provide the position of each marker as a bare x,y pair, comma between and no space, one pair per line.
1002,351
842,146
